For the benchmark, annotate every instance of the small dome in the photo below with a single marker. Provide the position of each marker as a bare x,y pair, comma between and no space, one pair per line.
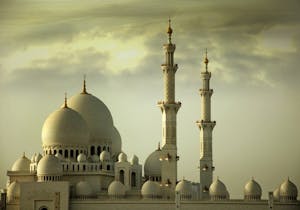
13,191
49,165
105,156
152,167
83,189
116,144
33,158
134,160
151,190
95,158
65,127
38,158
184,187
21,164
218,191
252,190
116,189
81,158
96,114
288,191
276,194
122,157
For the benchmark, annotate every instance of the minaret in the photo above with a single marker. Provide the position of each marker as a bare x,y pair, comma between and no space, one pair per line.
169,110
206,127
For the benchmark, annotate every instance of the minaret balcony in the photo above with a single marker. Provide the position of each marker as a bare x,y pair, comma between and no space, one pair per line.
206,124
204,92
166,68
205,74
169,105
169,47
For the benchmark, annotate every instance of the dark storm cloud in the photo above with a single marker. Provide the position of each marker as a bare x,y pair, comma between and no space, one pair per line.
230,30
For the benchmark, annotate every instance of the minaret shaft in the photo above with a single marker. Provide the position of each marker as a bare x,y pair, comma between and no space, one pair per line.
169,108
206,127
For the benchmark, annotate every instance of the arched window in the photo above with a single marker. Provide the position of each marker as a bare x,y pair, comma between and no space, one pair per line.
108,149
54,152
104,148
77,153
43,208
92,150
122,176
77,167
66,153
108,167
71,153
83,167
133,179
60,152
98,150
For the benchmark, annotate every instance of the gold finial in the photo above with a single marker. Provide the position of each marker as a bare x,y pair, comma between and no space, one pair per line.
84,85
66,101
206,59
23,155
169,30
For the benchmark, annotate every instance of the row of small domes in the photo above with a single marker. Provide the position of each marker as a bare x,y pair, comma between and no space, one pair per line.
50,163
152,190
217,190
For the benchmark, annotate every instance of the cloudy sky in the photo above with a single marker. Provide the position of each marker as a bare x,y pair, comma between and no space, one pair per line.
254,50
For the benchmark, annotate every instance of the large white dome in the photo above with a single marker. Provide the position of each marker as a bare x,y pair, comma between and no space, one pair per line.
151,190
288,191
13,191
116,189
96,115
218,190
21,164
83,189
185,189
252,190
65,127
49,165
152,167
116,144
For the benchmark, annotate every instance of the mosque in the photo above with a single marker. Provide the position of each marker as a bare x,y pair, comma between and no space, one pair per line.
83,165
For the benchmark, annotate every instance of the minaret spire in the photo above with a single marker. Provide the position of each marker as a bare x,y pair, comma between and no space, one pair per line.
66,101
170,31
206,127
169,108
206,59
84,85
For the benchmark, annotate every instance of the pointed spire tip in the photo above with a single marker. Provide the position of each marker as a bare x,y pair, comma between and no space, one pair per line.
66,101
84,85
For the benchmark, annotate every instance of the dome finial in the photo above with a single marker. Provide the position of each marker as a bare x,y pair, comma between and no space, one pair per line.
170,30
84,85
66,101
206,59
